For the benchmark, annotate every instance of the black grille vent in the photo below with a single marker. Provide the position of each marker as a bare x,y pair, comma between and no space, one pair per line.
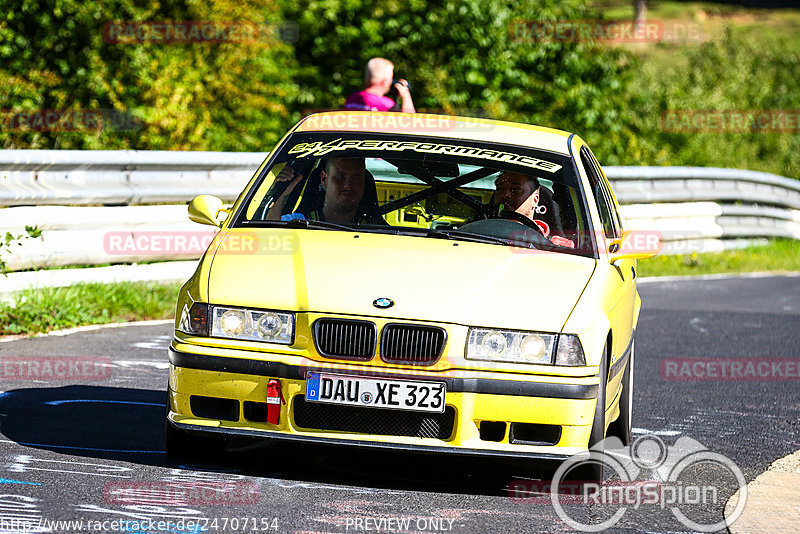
345,338
377,421
414,344
214,408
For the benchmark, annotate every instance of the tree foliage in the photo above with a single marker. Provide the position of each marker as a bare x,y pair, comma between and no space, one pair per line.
731,73
470,57
191,96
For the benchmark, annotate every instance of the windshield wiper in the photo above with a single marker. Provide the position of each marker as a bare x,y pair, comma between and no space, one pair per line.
325,225
306,223
467,236
299,223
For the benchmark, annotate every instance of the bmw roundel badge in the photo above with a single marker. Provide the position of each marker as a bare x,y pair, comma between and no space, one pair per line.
383,303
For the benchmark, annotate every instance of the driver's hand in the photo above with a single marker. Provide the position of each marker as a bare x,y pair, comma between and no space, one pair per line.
287,174
562,241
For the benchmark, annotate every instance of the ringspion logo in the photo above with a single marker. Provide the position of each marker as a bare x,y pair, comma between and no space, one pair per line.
677,486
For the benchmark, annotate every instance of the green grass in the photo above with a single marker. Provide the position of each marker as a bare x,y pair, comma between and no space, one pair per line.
778,256
42,310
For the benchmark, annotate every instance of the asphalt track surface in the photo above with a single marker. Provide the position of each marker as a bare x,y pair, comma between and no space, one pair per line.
68,446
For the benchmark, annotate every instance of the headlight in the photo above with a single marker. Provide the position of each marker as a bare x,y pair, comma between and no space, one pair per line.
510,346
570,351
252,325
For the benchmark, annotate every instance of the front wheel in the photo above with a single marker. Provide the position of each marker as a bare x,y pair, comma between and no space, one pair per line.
181,444
621,428
592,470
176,442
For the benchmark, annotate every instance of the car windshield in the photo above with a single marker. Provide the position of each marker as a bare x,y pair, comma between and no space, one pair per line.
427,187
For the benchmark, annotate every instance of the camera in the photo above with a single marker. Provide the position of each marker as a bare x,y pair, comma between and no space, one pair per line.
403,82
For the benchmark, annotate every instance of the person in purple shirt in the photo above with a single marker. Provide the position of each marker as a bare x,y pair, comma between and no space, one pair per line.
378,78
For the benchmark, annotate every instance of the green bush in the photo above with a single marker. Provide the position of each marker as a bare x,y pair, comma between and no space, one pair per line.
467,58
228,96
461,57
732,73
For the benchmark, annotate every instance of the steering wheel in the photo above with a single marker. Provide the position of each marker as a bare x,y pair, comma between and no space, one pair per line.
520,218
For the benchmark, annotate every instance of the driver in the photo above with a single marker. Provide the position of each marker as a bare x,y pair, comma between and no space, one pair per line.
523,194
343,181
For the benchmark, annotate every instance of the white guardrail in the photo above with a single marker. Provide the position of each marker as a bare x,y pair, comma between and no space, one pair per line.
82,200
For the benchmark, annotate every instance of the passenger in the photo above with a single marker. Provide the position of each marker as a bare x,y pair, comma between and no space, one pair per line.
343,181
523,194
379,79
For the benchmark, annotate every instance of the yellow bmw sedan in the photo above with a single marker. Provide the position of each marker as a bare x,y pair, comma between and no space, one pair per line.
421,282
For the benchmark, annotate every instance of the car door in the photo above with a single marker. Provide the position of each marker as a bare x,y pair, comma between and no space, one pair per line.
626,268
620,275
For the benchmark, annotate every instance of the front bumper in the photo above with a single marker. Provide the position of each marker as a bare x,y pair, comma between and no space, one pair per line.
512,406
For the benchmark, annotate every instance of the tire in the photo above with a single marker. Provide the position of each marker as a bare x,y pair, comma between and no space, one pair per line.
592,471
621,428
181,444
176,442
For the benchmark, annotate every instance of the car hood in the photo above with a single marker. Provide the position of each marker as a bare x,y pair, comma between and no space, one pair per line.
428,279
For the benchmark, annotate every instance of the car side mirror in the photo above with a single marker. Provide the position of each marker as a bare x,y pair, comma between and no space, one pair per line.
634,245
206,209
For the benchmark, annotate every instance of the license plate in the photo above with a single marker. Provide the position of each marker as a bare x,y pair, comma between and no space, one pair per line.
376,392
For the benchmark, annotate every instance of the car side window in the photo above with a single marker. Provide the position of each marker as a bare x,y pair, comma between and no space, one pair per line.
602,196
612,201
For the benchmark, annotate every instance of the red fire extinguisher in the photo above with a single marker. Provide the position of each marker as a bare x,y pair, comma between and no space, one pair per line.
274,401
